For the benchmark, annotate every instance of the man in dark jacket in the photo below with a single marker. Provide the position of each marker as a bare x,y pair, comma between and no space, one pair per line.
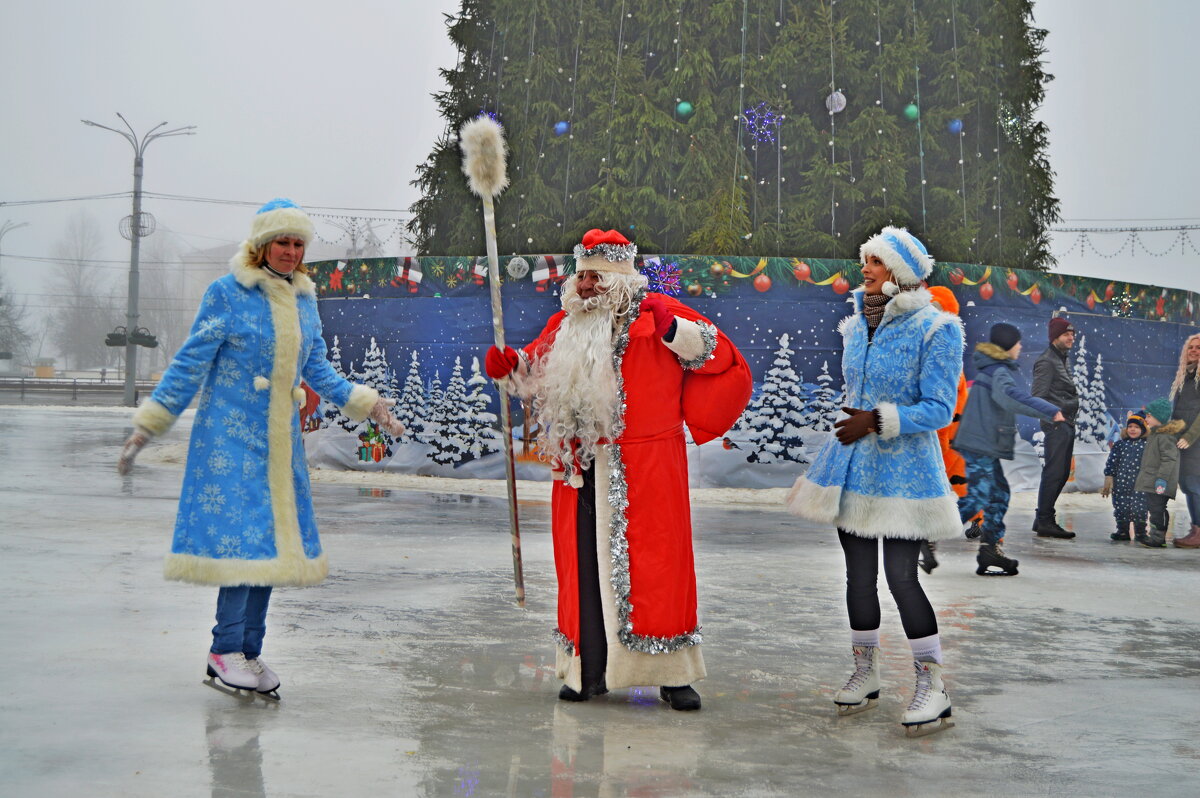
985,437
1052,382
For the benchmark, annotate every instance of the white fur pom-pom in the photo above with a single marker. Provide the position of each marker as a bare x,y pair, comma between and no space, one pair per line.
484,154
299,396
890,288
261,383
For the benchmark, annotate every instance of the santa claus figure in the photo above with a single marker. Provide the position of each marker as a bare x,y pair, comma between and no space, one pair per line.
613,379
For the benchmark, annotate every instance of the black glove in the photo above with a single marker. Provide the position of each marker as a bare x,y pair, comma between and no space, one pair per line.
858,425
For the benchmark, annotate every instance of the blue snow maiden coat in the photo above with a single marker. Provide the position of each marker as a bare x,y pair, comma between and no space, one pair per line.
245,512
892,484
989,425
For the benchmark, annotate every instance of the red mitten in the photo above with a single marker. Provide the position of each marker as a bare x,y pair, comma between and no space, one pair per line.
499,365
662,317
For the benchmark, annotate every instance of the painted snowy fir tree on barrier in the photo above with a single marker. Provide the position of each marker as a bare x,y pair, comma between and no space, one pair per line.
411,408
482,432
825,403
775,418
1093,422
332,415
452,444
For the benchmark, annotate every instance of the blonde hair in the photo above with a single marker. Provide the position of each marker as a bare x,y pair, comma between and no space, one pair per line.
257,256
1181,373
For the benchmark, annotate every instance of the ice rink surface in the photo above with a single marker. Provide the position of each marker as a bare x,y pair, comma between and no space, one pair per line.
411,672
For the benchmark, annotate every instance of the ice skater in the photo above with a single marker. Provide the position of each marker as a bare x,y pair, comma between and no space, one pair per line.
1120,475
613,379
245,520
1158,477
882,477
986,437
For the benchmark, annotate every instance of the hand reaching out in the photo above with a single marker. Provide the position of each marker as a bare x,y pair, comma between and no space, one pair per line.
381,414
133,444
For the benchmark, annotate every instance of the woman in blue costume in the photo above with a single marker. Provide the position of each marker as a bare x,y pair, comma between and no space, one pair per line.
245,520
882,477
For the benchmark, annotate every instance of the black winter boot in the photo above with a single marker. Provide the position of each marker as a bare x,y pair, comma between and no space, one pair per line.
928,561
1122,533
1139,533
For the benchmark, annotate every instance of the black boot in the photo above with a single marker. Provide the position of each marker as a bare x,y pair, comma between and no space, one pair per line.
928,561
684,698
991,556
1049,528
1139,533
1122,533
567,694
1157,538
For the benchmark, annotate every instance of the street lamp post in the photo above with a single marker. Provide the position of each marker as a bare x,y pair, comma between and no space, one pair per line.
136,227
8,227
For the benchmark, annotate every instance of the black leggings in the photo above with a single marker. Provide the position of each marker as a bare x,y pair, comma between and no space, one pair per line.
900,568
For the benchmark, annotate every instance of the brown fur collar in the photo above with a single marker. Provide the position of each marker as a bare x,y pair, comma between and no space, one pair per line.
992,350
1172,427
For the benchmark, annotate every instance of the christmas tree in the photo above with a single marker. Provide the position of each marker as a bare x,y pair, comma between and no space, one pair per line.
435,410
776,416
330,413
1079,375
1092,424
825,405
453,442
485,438
410,407
750,128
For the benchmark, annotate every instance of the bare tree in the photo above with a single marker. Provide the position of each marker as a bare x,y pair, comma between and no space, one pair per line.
86,308
163,305
14,335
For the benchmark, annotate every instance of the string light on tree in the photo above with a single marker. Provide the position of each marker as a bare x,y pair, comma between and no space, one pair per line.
761,123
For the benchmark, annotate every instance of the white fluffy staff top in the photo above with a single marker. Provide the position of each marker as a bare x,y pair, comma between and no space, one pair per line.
484,155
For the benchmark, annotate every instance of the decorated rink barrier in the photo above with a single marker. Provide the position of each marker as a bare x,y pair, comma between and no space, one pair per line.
416,328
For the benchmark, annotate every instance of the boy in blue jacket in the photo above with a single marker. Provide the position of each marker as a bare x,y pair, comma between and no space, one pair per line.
986,436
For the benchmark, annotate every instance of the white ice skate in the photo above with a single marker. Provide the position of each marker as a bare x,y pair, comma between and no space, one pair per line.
268,682
862,691
929,710
230,674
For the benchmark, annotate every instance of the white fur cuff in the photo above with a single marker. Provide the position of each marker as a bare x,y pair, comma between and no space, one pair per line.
153,418
889,420
694,343
362,399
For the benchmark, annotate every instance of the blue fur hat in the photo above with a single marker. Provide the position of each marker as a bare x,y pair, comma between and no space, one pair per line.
280,217
903,254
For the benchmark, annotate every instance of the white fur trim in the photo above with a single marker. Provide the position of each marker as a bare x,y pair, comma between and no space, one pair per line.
599,263
812,501
153,417
687,343
278,572
253,276
889,420
941,321
261,383
907,302
484,156
299,396
890,517
362,399
878,245
280,222
843,327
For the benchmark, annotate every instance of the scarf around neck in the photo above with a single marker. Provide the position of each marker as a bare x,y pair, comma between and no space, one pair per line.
873,307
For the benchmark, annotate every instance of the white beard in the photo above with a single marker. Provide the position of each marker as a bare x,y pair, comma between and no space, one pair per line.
576,396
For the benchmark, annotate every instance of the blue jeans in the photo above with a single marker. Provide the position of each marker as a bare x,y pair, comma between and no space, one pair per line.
987,490
241,620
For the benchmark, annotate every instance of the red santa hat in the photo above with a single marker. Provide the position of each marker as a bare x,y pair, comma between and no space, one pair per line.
605,251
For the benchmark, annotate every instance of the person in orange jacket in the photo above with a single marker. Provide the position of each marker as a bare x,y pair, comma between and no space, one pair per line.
956,467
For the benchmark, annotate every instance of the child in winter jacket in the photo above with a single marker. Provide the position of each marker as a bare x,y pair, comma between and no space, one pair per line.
1120,474
1158,477
986,436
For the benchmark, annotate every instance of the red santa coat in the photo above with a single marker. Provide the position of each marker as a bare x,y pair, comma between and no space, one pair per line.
644,529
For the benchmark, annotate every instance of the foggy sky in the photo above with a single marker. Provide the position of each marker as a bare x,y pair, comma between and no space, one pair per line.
329,105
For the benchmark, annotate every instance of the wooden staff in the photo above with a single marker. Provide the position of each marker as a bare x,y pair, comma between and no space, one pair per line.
484,153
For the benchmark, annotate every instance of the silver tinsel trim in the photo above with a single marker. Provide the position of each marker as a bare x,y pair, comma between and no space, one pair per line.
564,642
708,334
618,500
613,253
